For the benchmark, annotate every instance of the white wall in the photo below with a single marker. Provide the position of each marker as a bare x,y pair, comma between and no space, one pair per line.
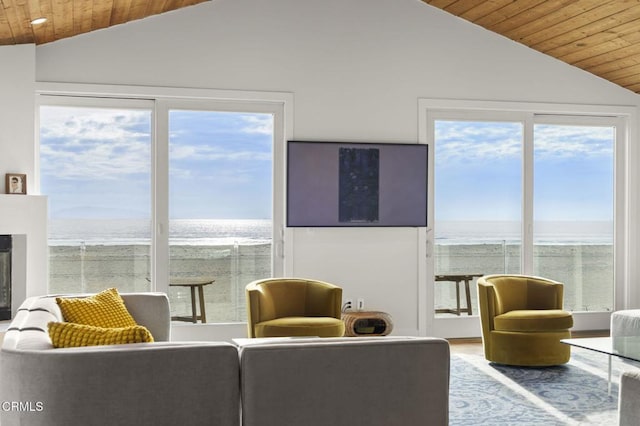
24,217
17,83
356,69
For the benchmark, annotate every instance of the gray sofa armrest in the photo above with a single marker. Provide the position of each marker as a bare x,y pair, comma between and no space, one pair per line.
628,408
346,382
141,384
150,310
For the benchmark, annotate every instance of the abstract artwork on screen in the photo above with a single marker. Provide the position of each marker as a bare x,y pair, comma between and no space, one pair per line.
359,181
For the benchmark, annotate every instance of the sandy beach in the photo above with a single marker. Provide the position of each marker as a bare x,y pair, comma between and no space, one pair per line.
586,271
96,267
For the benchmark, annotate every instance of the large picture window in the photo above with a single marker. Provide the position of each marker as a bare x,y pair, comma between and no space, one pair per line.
143,194
527,193
478,204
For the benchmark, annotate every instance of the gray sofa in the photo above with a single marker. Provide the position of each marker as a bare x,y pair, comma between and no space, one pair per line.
160,383
383,381
628,409
337,381
627,323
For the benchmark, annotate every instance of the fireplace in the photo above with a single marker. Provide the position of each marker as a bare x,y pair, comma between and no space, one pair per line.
24,219
5,277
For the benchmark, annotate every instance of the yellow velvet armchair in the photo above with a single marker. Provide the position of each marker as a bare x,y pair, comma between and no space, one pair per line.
523,320
283,307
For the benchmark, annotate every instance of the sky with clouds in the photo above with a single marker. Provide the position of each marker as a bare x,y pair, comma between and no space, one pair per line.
220,165
96,162
479,172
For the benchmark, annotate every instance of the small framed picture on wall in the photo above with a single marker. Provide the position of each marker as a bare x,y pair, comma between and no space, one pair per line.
15,183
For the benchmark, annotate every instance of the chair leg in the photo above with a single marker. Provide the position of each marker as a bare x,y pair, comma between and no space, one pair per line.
203,315
194,314
466,289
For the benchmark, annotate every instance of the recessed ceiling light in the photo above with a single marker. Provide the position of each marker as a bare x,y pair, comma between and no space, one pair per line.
38,21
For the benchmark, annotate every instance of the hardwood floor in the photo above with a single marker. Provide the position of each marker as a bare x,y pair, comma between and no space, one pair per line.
466,346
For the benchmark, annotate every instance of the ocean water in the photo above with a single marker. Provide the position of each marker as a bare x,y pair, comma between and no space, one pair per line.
214,232
258,231
509,232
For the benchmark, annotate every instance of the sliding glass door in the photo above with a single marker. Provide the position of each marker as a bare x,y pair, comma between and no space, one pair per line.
220,206
145,193
478,212
573,201
95,168
532,194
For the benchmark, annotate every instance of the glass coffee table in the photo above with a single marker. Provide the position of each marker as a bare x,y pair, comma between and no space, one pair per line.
626,347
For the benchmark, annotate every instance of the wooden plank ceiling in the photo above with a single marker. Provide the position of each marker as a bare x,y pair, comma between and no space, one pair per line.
599,36
66,18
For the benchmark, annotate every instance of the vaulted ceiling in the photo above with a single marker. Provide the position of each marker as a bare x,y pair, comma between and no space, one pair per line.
598,36
66,18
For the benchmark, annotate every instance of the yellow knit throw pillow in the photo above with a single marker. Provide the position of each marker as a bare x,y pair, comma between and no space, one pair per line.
70,335
105,309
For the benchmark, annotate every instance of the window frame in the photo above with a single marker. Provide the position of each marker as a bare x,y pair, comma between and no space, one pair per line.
529,114
160,270
161,100
97,103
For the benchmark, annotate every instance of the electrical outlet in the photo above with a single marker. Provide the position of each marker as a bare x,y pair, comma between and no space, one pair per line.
360,303
348,305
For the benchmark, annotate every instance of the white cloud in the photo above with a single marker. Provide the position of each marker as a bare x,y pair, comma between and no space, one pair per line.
573,141
90,143
259,123
479,141
473,141
95,162
75,124
182,145
213,153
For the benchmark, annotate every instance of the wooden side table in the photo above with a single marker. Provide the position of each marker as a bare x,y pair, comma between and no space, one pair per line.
367,323
457,279
193,284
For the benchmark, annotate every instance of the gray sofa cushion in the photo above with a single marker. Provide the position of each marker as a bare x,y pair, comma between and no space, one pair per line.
625,323
628,408
159,384
346,382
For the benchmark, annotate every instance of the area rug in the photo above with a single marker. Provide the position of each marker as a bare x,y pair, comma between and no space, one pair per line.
483,393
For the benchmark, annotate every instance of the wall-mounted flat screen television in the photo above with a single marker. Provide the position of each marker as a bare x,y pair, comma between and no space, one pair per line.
334,184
